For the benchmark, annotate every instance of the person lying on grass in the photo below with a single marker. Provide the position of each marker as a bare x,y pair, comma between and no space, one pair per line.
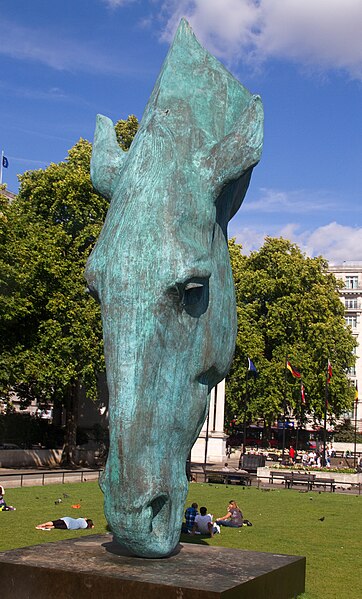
66,523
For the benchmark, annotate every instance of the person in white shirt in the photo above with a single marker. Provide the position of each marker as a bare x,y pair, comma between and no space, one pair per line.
203,524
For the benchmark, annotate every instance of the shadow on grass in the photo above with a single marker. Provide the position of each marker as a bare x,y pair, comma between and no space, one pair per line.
195,540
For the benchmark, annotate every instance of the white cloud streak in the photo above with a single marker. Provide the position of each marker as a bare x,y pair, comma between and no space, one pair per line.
39,163
320,34
54,51
117,3
295,201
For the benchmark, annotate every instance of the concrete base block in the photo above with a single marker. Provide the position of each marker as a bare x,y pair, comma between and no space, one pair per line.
95,566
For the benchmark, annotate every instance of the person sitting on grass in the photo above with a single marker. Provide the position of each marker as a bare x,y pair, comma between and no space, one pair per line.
190,515
66,523
233,518
3,506
203,524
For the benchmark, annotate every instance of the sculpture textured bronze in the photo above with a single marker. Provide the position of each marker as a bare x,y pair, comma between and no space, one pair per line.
162,274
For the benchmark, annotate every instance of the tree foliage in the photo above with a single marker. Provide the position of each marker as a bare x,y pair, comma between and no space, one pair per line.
288,306
50,329
126,130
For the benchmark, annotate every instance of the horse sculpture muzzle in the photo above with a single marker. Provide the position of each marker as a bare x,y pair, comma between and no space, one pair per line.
161,272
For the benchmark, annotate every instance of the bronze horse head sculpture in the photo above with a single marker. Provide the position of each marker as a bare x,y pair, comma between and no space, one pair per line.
161,272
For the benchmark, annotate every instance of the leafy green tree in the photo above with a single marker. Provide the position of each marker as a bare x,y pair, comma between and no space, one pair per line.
50,329
126,130
288,308
345,433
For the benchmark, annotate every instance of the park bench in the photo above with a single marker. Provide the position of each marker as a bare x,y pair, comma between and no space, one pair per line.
227,476
294,478
324,482
277,475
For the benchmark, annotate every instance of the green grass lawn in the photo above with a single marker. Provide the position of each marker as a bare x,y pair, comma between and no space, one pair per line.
284,521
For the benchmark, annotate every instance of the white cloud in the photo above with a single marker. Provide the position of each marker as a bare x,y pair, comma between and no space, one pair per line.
322,34
335,242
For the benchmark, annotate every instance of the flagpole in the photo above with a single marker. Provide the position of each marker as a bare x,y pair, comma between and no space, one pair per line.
284,406
1,167
299,416
325,418
206,440
245,405
355,432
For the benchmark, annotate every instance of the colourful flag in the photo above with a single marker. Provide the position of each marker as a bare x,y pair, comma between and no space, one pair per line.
329,372
5,162
302,394
356,394
251,367
294,372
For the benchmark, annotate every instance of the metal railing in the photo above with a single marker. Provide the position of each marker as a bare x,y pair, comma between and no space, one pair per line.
50,477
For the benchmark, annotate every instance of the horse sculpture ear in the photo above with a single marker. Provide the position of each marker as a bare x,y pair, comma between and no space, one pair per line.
233,157
107,156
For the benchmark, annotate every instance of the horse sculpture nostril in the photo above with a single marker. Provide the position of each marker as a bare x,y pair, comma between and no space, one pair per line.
157,505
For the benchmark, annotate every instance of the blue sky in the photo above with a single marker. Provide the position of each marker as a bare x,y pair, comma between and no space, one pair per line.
63,62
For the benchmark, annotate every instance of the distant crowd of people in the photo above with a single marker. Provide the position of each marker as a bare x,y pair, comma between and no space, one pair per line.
314,458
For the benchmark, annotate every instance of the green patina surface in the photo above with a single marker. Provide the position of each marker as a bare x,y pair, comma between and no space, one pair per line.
161,272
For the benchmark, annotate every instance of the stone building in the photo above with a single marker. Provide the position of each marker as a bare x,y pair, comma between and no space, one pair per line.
350,272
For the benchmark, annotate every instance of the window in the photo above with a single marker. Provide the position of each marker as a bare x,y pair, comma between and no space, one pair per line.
350,303
352,371
351,282
351,321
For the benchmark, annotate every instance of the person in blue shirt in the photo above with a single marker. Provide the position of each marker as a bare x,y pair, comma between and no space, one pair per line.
67,523
190,516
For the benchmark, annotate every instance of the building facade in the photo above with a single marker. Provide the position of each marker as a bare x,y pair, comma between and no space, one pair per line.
211,443
351,295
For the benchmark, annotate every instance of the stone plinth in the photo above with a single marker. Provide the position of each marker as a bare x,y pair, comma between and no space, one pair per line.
95,566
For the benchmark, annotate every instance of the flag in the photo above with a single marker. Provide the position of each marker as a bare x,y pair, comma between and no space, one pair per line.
251,367
302,394
329,372
294,372
356,394
5,162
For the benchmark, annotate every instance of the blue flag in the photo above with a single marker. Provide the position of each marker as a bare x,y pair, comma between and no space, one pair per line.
5,162
252,368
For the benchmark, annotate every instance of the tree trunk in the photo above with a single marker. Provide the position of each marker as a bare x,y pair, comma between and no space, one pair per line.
70,440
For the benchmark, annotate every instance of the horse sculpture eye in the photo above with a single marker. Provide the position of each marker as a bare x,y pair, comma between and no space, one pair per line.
193,293
195,296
